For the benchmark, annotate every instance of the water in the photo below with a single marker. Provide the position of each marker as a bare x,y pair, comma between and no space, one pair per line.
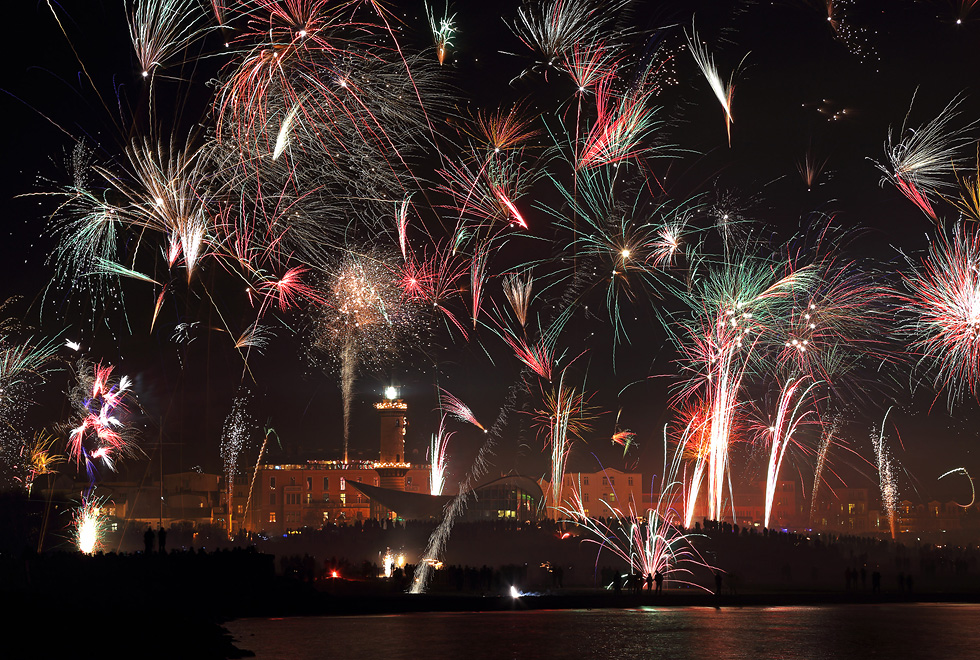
838,632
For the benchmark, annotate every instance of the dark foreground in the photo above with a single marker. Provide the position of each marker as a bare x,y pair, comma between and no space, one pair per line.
173,606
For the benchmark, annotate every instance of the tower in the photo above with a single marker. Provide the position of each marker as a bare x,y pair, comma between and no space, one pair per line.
391,464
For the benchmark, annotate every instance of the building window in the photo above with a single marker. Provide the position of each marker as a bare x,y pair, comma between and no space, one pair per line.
585,497
343,484
272,516
629,481
375,481
408,481
309,483
238,509
585,481
605,481
343,498
326,516
272,483
326,483
292,481
309,498
612,481
326,497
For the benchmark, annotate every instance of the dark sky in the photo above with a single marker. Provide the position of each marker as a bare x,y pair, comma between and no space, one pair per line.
799,85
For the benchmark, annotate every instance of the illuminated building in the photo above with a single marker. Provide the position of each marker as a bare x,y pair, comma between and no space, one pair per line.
290,496
602,492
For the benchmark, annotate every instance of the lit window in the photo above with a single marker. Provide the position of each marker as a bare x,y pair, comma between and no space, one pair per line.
272,516
272,483
343,484
343,498
309,483
238,509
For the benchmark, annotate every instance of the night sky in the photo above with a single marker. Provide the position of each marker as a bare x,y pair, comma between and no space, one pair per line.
799,86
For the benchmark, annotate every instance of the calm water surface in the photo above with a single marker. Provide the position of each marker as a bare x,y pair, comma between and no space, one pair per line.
841,632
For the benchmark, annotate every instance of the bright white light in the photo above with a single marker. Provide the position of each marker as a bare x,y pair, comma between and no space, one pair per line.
391,392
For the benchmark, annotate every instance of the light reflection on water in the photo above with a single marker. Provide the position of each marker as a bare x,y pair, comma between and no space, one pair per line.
838,632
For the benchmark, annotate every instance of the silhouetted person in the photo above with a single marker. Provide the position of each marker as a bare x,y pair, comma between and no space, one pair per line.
148,540
659,579
717,583
618,583
649,581
876,582
162,538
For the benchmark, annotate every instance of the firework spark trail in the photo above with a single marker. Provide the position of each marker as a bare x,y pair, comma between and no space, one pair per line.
826,441
235,433
255,472
437,458
973,490
478,275
788,419
440,536
886,475
401,220
517,290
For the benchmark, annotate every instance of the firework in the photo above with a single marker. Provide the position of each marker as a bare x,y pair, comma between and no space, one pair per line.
780,433
723,91
456,408
826,440
437,458
973,490
566,416
443,28
235,433
650,544
160,30
923,161
944,300
886,475
39,458
90,526
366,319
100,433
